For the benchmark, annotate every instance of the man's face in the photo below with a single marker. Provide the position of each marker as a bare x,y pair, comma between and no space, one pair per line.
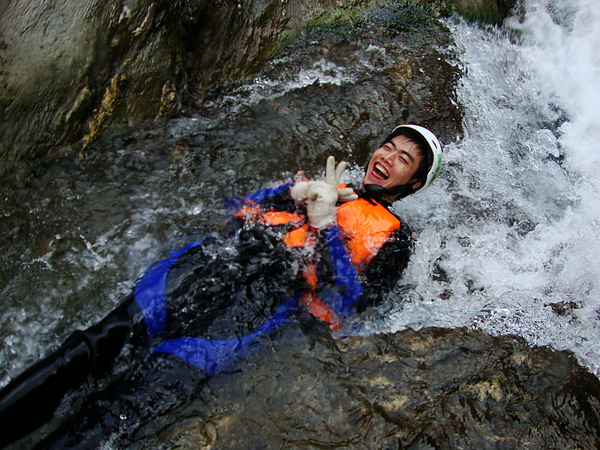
394,164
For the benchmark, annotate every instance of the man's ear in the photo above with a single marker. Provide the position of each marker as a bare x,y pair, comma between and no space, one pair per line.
416,185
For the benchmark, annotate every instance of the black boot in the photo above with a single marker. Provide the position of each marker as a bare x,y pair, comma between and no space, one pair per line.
30,400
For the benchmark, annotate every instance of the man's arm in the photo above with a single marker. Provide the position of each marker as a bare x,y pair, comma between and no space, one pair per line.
385,270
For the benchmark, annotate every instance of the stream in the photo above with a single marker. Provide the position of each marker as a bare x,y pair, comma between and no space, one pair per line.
508,238
511,232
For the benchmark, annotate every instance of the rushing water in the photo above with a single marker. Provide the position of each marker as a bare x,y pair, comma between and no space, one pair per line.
511,232
508,238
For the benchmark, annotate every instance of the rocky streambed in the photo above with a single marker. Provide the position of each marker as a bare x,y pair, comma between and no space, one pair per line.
125,124
432,388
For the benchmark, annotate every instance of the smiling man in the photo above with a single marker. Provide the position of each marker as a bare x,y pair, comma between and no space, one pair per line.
408,160
310,252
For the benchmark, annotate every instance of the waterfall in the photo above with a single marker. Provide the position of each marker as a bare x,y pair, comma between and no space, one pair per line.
509,238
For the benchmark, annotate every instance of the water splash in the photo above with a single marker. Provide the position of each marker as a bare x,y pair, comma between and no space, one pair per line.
509,238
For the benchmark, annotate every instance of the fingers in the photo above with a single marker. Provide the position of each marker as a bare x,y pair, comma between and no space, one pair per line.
330,172
333,174
339,170
344,192
346,195
299,191
315,189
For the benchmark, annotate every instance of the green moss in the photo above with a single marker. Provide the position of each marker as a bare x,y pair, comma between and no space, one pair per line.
335,19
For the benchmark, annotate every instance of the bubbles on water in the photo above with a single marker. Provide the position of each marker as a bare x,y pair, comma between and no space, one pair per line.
283,76
508,238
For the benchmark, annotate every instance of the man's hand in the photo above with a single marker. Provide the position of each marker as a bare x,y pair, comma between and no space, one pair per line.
322,196
344,194
299,190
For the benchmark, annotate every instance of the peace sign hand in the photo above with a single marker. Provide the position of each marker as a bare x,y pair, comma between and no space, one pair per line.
322,196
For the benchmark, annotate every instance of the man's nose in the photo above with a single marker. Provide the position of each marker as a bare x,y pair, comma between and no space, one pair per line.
389,156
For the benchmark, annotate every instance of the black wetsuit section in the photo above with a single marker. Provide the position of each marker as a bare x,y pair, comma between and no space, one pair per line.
227,287
224,288
30,399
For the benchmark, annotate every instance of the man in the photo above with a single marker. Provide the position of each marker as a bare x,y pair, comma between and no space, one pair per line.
291,252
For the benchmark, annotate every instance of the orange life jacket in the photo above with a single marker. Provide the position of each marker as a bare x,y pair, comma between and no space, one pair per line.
365,227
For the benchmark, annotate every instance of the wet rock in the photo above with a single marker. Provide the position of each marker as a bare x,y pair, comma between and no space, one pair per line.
433,388
484,11
70,70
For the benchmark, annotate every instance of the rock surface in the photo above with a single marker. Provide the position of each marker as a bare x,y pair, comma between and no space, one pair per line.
433,388
70,69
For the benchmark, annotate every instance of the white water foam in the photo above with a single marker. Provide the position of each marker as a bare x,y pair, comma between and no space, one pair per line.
511,231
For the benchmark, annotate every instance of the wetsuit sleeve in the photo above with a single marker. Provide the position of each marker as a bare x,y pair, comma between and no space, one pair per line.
276,197
30,399
386,268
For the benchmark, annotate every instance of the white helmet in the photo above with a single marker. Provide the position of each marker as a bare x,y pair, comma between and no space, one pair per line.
435,151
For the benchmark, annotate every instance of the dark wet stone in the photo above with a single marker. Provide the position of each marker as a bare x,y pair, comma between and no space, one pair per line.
433,388
72,70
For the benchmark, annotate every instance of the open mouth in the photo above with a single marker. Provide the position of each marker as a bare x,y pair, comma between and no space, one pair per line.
380,171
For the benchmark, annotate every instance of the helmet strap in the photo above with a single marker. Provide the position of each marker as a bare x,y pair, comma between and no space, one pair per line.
378,192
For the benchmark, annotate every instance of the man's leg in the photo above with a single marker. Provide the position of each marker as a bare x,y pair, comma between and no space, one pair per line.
136,407
30,399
